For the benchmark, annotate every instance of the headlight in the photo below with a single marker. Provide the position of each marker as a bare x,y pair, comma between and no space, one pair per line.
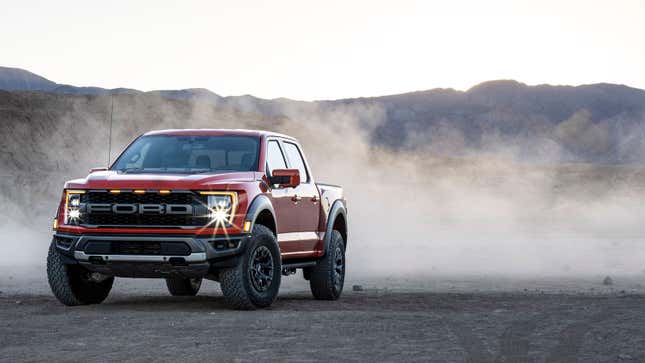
73,206
221,207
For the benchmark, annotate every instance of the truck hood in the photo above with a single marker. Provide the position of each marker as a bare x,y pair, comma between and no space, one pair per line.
114,180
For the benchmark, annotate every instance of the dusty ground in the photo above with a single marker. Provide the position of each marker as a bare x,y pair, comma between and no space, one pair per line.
467,319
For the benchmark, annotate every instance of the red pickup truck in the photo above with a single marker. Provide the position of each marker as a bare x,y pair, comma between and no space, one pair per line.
235,206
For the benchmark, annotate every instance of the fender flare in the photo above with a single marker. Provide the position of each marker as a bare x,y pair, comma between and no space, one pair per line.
259,204
338,208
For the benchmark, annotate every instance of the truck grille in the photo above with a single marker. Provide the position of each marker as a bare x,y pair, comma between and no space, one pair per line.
148,198
108,218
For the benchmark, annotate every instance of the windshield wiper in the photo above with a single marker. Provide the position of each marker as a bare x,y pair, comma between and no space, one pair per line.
204,171
143,170
168,170
127,170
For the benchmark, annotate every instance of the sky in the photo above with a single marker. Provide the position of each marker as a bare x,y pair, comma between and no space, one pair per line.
324,49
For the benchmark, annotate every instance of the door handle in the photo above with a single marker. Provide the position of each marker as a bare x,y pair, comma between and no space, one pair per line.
296,198
315,199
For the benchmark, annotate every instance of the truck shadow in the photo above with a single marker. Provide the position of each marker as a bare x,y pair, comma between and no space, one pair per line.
164,303
292,301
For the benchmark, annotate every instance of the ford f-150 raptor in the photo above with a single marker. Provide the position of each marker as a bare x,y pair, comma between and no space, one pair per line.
235,206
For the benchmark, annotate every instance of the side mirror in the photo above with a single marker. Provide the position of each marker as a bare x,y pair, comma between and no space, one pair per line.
285,177
102,168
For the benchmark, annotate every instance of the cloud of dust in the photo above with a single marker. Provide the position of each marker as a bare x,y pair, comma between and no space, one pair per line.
412,213
416,213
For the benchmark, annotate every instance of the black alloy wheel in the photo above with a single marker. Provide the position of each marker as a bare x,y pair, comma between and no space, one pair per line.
261,268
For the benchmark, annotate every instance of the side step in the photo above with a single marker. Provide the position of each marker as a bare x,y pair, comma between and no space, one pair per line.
290,268
301,264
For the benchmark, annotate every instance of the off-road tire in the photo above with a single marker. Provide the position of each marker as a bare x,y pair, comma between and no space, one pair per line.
70,284
237,282
322,276
178,286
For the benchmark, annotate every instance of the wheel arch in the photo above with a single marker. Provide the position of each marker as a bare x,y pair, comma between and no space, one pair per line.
261,212
337,220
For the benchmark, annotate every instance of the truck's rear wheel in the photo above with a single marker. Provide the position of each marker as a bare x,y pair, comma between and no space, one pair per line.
327,278
178,286
74,285
255,281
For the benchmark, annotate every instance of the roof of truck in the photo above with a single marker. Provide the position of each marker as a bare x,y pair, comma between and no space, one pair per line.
216,132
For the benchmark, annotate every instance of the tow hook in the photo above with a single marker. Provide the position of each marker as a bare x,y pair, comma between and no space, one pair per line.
97,260
178,261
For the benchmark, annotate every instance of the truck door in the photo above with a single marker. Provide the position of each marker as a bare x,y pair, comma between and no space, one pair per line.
286,215
307,198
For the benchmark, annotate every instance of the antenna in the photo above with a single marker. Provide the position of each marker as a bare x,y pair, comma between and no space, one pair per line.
110,135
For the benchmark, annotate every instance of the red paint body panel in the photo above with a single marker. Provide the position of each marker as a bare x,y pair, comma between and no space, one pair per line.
301,209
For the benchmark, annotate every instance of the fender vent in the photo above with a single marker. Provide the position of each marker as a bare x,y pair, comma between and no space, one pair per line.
64,242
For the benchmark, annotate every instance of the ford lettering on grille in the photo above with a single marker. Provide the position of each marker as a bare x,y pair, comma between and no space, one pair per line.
137,208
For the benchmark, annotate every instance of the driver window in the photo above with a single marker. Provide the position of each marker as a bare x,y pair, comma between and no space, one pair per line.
275,159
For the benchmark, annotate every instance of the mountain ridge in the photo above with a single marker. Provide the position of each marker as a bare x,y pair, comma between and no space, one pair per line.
24,79
600,122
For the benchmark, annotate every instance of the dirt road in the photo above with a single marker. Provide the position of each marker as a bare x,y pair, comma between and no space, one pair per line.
443,320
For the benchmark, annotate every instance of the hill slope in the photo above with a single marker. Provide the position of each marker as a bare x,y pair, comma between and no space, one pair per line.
16,79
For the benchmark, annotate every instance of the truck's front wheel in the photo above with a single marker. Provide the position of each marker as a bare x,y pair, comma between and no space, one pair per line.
74,285
255,281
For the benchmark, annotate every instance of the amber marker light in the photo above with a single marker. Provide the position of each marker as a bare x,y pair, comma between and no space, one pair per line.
139,191
164,192
247,226
115,191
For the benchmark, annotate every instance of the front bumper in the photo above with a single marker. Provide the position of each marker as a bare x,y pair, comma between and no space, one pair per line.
133,255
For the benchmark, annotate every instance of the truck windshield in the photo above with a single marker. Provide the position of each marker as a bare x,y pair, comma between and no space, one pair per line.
189,154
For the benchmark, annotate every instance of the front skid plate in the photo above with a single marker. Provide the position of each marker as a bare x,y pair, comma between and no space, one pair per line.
149,269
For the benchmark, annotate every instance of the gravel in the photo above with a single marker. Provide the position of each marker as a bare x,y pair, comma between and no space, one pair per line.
442,320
